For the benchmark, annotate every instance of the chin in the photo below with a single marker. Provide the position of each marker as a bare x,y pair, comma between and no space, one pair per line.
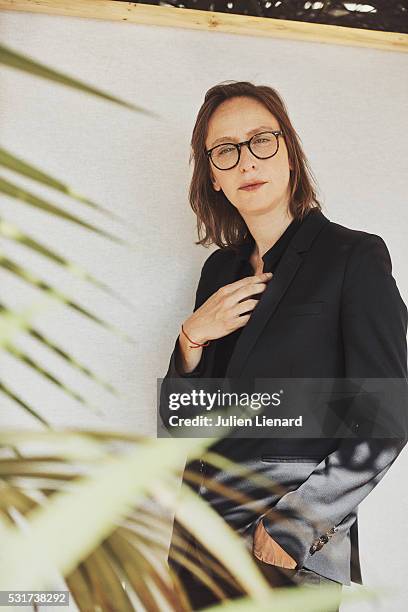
256,208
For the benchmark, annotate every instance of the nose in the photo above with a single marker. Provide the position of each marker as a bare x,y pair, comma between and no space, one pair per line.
246,160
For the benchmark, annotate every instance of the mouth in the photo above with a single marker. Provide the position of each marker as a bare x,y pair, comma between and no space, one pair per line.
252,187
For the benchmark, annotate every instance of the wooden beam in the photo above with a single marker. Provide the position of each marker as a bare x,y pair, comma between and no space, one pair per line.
216,22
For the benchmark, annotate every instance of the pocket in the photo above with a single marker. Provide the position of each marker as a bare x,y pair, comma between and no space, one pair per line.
291,459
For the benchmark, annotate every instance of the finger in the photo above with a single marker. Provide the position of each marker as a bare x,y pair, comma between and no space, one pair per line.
246,306
247,281
242,320
246,292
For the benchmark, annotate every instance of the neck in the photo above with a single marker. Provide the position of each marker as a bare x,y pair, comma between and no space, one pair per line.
267,228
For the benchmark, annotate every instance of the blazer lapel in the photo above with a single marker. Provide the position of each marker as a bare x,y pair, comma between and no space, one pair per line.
275,290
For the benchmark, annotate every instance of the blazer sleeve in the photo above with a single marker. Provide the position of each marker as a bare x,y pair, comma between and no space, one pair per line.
374,328
205,288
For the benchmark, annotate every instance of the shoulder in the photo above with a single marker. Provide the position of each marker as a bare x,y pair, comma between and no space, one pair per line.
216,259
357,245
349,235
367,263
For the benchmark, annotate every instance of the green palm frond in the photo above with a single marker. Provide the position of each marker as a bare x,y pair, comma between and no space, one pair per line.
22,194
74,363
18,61
128,549
59,296
82,497
23,168
12,232
39,369
31,483
8,392
10,324
121,558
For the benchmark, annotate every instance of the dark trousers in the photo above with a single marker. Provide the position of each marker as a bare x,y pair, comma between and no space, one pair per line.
200,596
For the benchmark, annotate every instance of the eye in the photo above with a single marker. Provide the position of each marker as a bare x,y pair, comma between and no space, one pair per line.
262,139
225,150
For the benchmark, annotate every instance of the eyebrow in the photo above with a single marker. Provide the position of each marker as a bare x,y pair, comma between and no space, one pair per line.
231,139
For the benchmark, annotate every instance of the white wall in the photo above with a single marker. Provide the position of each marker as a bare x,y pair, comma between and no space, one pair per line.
349,108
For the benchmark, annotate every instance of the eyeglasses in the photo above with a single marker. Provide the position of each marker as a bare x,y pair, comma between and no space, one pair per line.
227,155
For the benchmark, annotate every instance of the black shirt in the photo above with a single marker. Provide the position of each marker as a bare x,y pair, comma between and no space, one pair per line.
271,259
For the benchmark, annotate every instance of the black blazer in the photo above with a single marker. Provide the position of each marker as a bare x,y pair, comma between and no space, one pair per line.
331,310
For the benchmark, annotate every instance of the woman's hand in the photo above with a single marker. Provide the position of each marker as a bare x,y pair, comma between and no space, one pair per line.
225,310
266,549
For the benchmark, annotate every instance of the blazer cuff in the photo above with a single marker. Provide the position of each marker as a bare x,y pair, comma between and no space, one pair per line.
292,534
299,538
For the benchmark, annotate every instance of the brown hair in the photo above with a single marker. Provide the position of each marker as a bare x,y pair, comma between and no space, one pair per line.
218,221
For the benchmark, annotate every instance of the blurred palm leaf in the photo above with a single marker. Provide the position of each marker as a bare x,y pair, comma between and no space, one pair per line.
58,351
20,402
14,321
134,547
16,164
90,499
19,193
11,323
31,279
16,60
9,231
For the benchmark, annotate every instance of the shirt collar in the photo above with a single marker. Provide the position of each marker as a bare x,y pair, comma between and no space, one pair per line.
245,250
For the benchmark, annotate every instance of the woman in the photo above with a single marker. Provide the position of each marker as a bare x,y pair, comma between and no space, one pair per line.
288,294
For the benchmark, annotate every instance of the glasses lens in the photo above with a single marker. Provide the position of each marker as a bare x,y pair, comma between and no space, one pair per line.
264,145
225,156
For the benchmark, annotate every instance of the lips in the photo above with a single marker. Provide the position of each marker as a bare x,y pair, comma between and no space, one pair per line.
252,186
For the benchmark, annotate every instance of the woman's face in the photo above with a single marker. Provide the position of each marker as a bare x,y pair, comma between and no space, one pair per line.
234,121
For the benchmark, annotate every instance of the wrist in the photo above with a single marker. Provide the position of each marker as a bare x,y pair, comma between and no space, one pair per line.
193,333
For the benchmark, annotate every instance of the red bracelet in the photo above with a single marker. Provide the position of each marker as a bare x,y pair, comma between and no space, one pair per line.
197,344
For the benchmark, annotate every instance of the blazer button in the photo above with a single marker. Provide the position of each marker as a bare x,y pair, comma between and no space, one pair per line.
322,540
315,546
